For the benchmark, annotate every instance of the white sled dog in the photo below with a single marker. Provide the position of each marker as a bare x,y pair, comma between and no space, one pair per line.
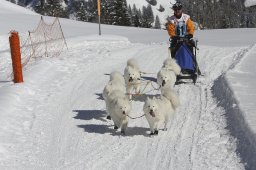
166,77
116,75
119,108
116,82
132,77
159,110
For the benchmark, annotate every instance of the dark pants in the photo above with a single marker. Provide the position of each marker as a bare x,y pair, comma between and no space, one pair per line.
174,46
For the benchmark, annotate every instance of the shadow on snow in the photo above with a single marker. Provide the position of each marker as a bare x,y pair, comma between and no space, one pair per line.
90,114
103,128
109,129
99,96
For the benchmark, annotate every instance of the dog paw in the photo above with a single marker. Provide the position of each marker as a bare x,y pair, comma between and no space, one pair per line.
108,117
151,133
122,132
115,127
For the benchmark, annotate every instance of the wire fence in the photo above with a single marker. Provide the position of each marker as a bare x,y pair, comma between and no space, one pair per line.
47,40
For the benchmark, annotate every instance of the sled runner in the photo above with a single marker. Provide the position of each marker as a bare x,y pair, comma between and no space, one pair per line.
186,58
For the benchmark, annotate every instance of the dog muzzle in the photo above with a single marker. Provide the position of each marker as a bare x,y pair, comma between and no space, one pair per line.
163,83
130,79
152,113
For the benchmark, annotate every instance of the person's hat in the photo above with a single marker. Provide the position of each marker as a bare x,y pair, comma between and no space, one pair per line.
177,6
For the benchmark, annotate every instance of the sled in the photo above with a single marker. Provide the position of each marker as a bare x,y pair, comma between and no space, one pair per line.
187,61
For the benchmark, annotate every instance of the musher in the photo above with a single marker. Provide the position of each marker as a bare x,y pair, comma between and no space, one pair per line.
180,25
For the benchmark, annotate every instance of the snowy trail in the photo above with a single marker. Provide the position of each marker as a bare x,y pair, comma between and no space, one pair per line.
69,129
196,138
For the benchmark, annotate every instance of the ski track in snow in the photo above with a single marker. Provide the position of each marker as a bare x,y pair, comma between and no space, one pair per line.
74,134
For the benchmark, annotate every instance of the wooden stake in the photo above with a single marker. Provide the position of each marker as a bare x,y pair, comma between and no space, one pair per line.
16,57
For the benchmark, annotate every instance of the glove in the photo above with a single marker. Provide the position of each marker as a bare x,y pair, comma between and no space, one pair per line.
175,38
189,36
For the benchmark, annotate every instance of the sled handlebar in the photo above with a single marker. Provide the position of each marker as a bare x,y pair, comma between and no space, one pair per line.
191,41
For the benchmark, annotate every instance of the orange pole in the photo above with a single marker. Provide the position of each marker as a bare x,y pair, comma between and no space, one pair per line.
98,4
16,57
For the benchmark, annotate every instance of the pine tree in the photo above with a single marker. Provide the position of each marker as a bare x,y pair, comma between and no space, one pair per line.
54,8
120,13
92,10
136,18
131,15
51,8
26,2
150,14
144,22
40,7
107,8
126,18
157,23
139,14
147,16
81,9
21,2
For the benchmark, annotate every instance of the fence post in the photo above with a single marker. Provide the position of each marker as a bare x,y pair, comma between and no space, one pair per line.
16,57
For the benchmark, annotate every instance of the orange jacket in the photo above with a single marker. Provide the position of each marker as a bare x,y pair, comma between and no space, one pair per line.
172,21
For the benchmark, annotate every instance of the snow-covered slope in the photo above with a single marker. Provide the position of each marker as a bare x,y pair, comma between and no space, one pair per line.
249,3
9,8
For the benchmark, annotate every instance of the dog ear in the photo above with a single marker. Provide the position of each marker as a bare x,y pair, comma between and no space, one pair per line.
148,99
115,102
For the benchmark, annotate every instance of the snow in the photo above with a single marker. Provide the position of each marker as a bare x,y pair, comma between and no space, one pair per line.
249,3
9,8
56,119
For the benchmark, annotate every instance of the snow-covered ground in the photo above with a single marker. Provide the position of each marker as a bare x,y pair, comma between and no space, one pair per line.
56,118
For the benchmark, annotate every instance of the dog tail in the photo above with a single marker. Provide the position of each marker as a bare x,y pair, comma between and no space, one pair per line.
176,67
175,100
172,64
133,63
115,75
172,97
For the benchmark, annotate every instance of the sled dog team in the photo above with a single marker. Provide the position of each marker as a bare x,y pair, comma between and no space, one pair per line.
118,92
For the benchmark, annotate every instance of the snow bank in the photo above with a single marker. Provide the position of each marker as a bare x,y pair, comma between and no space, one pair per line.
239,105
242,79
249,3
237,125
